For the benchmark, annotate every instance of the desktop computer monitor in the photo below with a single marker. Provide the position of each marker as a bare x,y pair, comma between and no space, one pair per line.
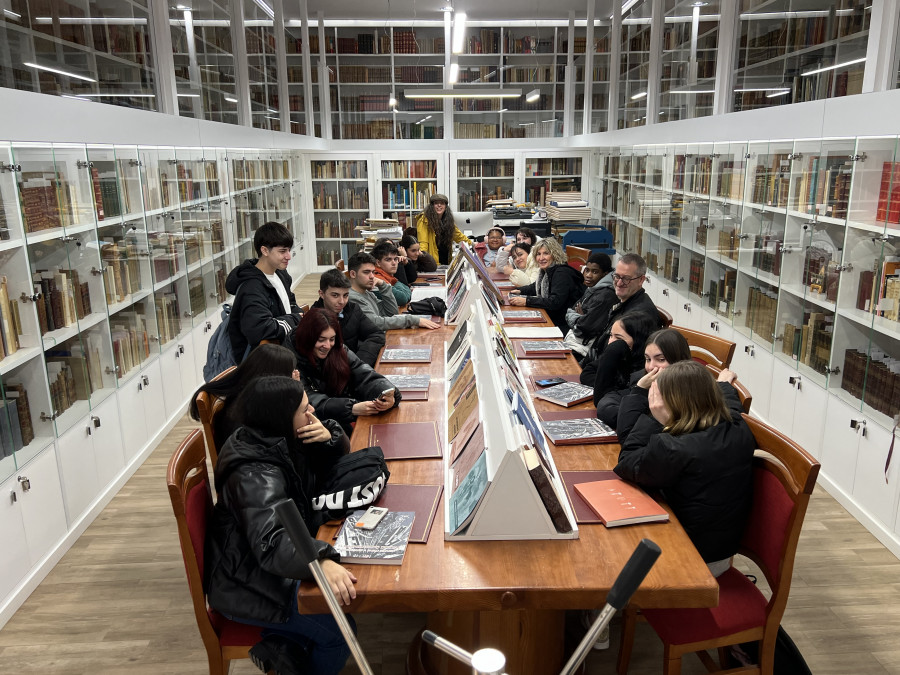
474,223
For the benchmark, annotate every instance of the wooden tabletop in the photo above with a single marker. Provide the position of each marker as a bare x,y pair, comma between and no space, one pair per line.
494,575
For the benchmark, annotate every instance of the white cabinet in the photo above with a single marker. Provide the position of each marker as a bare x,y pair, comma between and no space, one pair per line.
131,405
15,560
796,406
841,441
753,366
872,490
106,433
201,336
43,512
186,363
170,370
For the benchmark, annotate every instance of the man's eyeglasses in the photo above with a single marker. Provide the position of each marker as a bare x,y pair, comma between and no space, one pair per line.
618,278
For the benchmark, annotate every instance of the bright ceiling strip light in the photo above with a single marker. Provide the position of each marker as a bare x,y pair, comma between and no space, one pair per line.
778,93
690,91
454,73
836,65
12,15
117,95
640,94
462,93
459,32
533,96
87,20
59,72
189,95
231,100
265,7
77,98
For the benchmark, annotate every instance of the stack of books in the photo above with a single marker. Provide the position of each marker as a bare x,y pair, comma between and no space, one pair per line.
567,206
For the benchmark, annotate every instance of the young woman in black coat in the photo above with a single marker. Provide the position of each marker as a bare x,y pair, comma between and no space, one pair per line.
558,286
341,387
252,568
264,360
695,447
662,349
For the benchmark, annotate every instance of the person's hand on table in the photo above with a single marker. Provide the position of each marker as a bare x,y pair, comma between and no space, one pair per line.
428,323
517,300
384,403
509,269
365,408
341,581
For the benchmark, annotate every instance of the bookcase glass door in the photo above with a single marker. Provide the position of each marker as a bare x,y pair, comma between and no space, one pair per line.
480,180
600,75
690,41
340,200
406,187
530,62
259,34
551,174
634,66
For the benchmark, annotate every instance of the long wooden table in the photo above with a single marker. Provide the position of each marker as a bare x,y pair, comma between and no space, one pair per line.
510,594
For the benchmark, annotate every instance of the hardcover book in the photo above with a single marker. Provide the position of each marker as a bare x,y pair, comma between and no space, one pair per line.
618,502
566,394
519,347
468,495
406,355
423,500
407,440
578,431
521,316
407,383
384,545
534,332
582,413
584,515
544,346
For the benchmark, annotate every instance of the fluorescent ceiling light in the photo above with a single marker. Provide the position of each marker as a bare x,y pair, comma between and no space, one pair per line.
526,124
77,98
454,73
545,121
836,65
778,93
640,94
459,32
231,100
117,95
424,119
749,89
188,95
265,7
59,72
690,91
628,4
392,101
533,95
462,93
85,21
12,15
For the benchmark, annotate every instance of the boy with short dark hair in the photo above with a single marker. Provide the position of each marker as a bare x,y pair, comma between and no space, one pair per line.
265,308
361,336
599,292
387,258
375,297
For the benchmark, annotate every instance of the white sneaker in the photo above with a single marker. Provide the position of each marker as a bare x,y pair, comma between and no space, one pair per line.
587,620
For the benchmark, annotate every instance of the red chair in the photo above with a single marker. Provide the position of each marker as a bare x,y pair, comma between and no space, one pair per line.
577,257
665,319
707,348
742,391
784,475
189,490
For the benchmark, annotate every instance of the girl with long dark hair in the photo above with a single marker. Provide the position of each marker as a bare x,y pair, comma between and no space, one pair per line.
253,570
695,447
340,386
267,359
437,231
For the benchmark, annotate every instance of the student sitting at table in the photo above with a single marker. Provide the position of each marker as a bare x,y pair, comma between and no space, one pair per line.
526,270
375,297
361,336
410,252
340,386
524,235
493,246
696,448
611,364
663,348
425,262
268,359
557,287
387,260
598,289
253,569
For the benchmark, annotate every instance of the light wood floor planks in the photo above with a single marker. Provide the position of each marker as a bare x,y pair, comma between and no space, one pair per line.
118,601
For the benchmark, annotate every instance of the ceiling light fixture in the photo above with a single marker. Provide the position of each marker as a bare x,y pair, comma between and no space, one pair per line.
424,119
459,32
392,101
836,65
462,93
533,96
230,99
454,73
59,72
13,15
117,95
265,7
778,93
188,95
640,94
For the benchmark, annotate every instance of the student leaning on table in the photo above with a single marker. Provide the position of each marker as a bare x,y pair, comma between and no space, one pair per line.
436,230
253,569
360,335
376,298
558,286
525,270
695,447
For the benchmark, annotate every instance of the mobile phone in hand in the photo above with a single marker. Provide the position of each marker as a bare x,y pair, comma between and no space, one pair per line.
387,392
371,518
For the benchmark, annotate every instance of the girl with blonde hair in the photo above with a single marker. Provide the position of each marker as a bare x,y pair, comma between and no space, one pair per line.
558,286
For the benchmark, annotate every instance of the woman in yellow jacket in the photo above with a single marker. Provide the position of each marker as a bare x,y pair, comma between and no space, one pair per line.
437,231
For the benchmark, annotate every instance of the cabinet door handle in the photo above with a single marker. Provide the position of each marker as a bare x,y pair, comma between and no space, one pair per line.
748,349
714,325
24,482
687,307
794,381
859,426
96,421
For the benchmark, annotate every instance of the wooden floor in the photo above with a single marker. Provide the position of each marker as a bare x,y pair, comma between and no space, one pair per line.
118,601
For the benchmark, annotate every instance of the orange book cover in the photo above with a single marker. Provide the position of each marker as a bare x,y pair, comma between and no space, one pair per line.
618,502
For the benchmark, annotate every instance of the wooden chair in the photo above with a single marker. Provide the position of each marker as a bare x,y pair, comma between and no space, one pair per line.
577,256
784,475
665,319
191,497
208,406
707,348
304,308
743,392
339,264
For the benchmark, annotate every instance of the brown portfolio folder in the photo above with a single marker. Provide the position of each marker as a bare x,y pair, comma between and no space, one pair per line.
584,514
423,499
406,440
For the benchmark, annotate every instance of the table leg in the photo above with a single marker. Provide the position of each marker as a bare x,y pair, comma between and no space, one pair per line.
532,641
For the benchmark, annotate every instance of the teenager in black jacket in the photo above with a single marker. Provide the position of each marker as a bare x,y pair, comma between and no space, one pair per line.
558,286
361,336
252,568
341,387
696,448
265,308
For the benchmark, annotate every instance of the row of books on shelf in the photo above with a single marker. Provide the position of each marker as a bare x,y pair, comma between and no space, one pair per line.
16,428
721,292
810,343
420,168
64,298
47,200
475,130
168,316
414,197
373,129
75,368
879,289
473,200
875,379
556,166
130,345
122,272
10,321
771,181
350,169
165,255
762,306
888,209
485,168
346,198
329,229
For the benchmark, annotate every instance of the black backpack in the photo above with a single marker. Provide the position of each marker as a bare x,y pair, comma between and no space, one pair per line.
433,306
354,482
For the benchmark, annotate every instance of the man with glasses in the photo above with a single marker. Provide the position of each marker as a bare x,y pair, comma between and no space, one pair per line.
629,296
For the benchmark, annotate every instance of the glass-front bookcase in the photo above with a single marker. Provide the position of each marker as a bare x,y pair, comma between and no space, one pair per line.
551,174
634,66
340,201
690,43
478,181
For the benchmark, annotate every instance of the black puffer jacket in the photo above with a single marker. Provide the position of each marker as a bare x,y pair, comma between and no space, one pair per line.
597,322
364,385
257,313
610,403
609,368
565,287
251,563
706,476
360,335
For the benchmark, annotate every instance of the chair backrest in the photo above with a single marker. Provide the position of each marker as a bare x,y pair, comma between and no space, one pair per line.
339,263
665,319
707,348
304,308
191,497
577,256
742,391
208,406
784,476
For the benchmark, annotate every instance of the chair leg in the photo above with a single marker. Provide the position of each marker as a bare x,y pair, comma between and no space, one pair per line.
626,642
671,661
218,664
725,657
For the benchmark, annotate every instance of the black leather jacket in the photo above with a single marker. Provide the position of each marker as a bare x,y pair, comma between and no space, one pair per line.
361,336
251,563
